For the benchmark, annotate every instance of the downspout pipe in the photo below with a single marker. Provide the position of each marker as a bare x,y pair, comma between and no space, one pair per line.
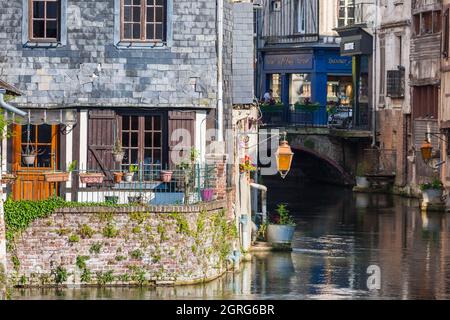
374,78
220,33
9,107
263,190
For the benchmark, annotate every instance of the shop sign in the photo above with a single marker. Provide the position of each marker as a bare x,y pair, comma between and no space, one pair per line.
288,61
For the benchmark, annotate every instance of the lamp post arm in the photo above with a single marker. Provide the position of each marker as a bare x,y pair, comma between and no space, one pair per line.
437,135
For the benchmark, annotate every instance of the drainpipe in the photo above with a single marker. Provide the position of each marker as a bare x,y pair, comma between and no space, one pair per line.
263,190
220,136
374,78
9,107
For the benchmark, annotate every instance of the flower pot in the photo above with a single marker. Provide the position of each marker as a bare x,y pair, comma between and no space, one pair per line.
280,233
112,199
128,177
432,196
118,156
207,195
118,177
362,182
166,176
56,176
28,159
92,178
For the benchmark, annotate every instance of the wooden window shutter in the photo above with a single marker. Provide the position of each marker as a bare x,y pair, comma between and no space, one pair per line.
101,126
179,143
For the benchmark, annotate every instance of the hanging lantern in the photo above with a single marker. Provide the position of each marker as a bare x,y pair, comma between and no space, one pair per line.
426,150
284,157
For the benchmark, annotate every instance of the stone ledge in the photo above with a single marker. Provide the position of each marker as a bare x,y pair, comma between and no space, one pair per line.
214,205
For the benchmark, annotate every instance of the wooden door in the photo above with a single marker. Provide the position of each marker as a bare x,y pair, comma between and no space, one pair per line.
30,183
181,135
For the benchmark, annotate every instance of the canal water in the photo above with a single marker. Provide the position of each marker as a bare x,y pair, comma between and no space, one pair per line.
339,236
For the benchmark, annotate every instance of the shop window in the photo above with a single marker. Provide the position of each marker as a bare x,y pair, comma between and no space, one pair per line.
339,90
299,88
275,85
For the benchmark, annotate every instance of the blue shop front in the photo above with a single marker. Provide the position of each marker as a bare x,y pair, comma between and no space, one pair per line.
317,75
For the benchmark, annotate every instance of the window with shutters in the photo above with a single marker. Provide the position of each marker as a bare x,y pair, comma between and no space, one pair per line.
395,83
425,102
143,141
44,20
143,20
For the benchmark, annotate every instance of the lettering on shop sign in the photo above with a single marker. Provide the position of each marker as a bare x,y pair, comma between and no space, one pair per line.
289,61
339,61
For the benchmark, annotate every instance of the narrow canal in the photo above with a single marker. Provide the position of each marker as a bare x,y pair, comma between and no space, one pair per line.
339,235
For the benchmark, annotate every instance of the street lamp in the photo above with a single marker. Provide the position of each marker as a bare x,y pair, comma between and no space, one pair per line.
284,156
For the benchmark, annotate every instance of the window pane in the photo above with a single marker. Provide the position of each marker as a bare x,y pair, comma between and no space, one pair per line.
299,87
127,14
157,140
127,30
148,139
150,14
44,158
127,2
52,29
44,134
148,123
137,2
134,123
150,31
134,139
157,158
25,134
134,156
125,139
150,2
136,31
157,123
159,32
148,156
52,10
159,2
136,14
38,29
159,14
38,9
125,123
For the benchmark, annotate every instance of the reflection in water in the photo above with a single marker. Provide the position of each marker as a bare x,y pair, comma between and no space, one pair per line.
339,235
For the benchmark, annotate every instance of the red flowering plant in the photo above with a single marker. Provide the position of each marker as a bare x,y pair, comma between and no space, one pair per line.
247,166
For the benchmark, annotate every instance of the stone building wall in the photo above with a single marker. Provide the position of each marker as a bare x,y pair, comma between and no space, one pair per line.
129,245
184,73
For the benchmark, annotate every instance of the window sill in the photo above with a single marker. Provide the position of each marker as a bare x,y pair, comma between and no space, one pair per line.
31,44
141,45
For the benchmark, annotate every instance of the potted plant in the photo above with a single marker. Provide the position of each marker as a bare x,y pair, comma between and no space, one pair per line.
361,179
29,156
117,152
189,169
306,105
112,199
166,175
432,192
281,228
92,177
118,177
128,176
246,167
135,200
59,176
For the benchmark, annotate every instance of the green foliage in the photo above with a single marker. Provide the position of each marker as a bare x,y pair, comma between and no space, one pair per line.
95,248
63,231
124,277
284,218
136,230
138,217
182,223
104,278
120,258
81,262
136,254
436,184
109,231
16,262
86,232
134,168
86,276
60,275
74,238
138,274
72,166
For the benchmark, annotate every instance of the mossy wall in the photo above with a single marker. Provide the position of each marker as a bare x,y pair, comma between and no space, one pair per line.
123,246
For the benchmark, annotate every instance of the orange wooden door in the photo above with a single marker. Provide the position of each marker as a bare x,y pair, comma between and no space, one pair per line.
30,183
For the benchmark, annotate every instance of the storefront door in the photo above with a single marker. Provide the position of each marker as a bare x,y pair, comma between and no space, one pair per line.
41,141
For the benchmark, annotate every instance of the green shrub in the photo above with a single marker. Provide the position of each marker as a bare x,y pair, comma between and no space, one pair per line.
110,231
86,232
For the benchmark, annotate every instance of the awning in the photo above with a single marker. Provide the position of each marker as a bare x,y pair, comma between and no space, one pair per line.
43,116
